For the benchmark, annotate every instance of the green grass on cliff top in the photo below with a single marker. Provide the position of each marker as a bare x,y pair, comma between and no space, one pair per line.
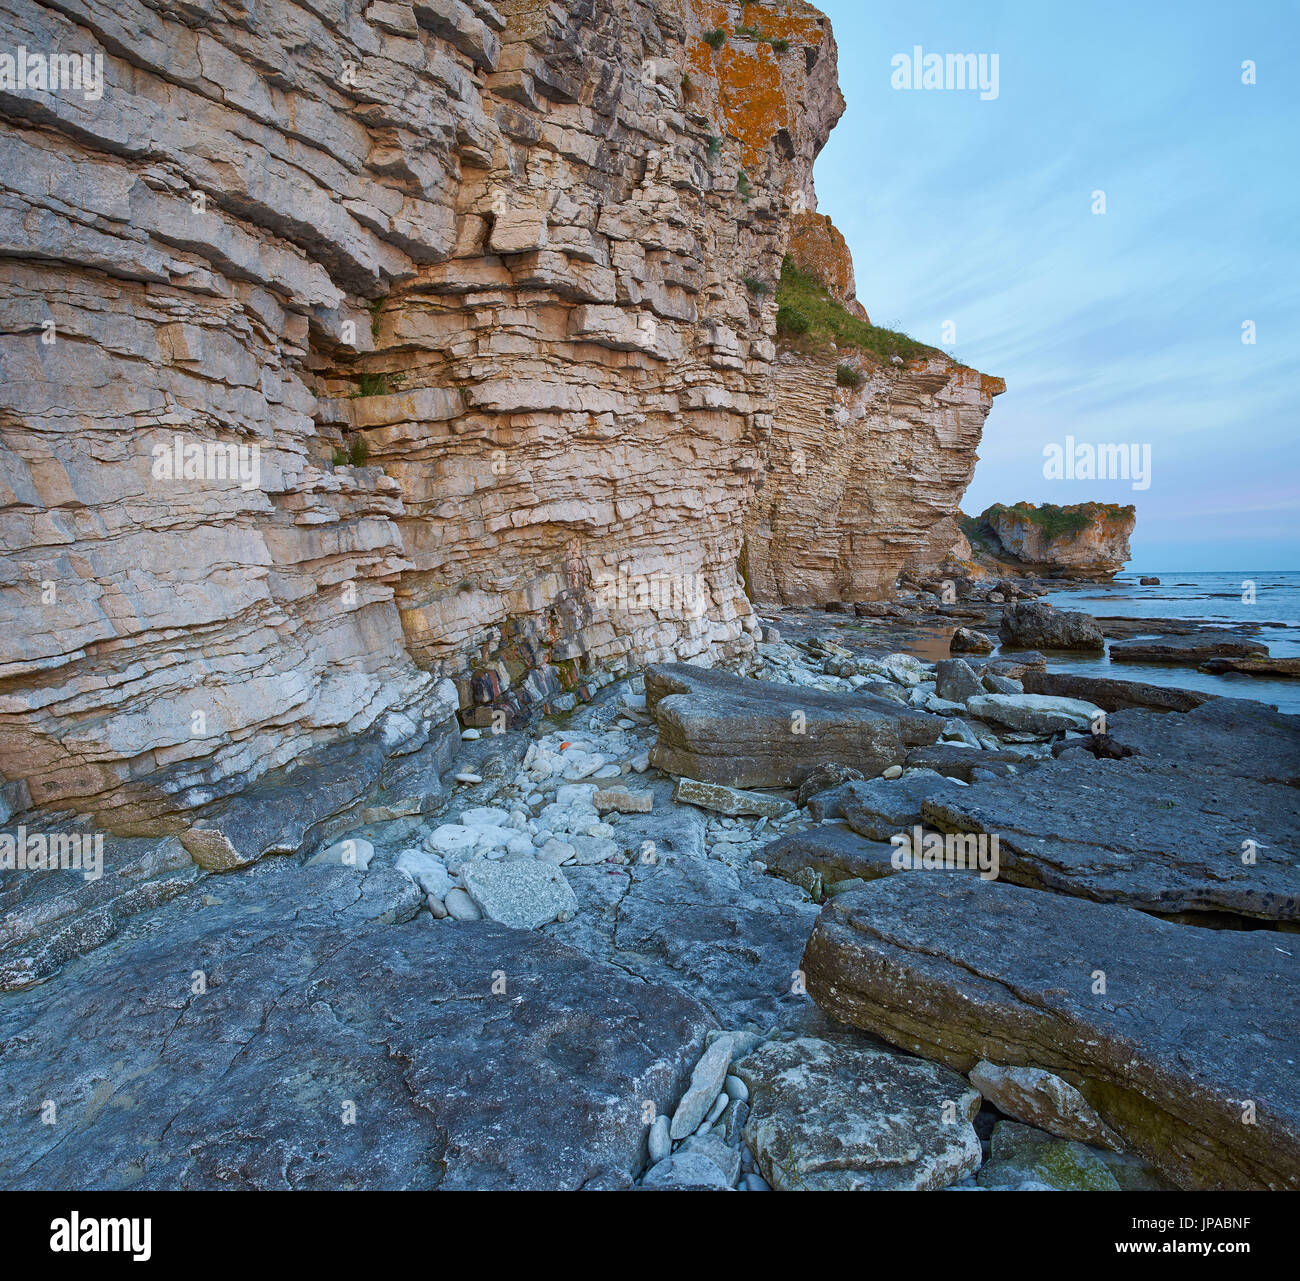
801,297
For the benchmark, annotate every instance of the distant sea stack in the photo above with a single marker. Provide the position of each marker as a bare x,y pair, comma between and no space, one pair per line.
1083,540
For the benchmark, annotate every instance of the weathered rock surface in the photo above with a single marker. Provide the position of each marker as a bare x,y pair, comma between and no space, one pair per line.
825,854
1021,1155
745,733
1113,695
520,893
1164,1029
955,680
960,762
729,937
1043,1100
729,800
48,918
1031,625
858,478
1158,838
1225,736
825,777
966,640
1033,713
835,1116
1255,665
324,993
882,808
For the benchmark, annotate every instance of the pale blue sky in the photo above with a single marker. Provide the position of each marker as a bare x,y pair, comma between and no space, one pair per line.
1122,327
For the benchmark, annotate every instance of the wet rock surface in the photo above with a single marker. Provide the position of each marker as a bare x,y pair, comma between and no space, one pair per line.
1186,650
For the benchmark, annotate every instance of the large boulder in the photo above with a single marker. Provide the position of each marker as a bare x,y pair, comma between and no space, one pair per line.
1181,1039
305,1028
728,729
842,1116
1032,625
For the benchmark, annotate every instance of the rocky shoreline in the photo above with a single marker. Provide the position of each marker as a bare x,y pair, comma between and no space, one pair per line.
667,941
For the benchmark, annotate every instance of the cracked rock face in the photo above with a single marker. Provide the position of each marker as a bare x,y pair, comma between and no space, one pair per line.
339,1041
1161,838
450,304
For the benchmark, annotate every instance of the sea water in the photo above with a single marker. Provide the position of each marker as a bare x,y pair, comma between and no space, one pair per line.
1224,599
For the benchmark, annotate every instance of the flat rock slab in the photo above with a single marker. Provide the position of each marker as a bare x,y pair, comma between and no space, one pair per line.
1233,736
1112,695
1188,650
326,995
1146,835
832,1116
745,733
520,893
1255,666
1195,1028
729,937
825,854
883,808
960,762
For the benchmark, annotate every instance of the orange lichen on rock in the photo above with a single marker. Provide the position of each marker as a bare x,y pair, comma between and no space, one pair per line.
816,246
756,82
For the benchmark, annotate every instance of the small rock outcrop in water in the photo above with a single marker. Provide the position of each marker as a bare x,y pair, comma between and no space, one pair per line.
1083,540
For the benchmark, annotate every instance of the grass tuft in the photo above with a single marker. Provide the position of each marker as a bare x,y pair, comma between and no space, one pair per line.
808,314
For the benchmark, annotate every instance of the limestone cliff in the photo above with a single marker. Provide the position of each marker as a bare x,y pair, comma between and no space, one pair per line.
873,444
1083,540
367,363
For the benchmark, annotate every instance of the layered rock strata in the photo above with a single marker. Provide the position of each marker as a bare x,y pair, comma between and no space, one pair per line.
860,481
364,366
